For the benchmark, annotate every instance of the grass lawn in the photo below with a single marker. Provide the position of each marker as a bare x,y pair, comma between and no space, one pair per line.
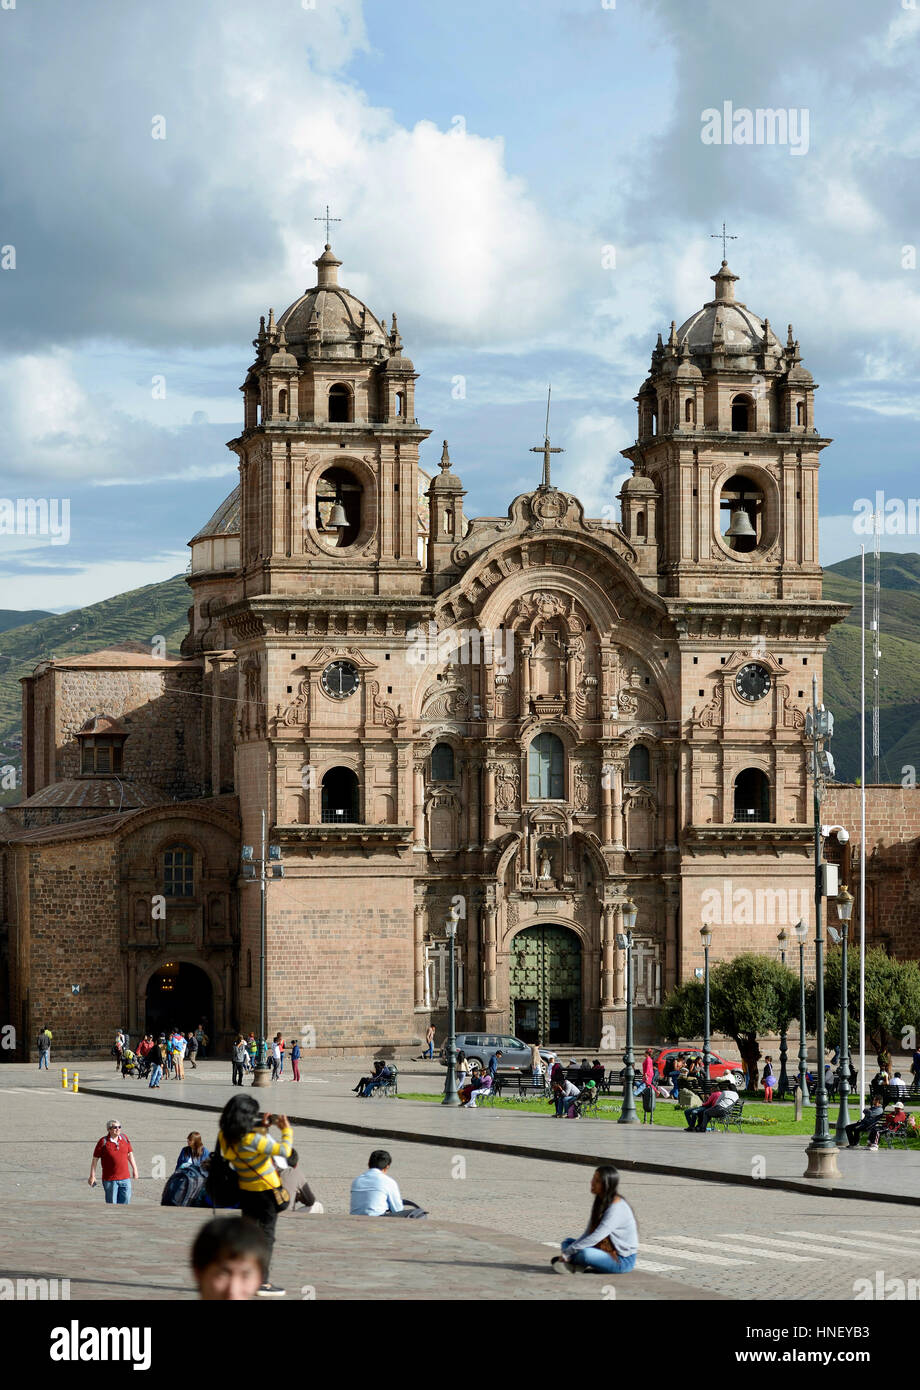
759,1118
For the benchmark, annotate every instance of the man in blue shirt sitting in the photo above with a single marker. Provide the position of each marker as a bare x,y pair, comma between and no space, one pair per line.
374,1193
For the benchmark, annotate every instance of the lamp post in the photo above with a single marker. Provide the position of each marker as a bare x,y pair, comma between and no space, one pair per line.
782,938
800,931
844,912
706,938
625,942
822,1151
259,871
450,1081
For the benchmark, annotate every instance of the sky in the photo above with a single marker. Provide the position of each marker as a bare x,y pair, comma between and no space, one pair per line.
526,184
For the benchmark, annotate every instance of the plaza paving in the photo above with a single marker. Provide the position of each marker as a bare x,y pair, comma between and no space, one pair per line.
495,1211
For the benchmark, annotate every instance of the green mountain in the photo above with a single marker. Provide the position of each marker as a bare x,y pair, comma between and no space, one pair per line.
16,617
138,616
899,700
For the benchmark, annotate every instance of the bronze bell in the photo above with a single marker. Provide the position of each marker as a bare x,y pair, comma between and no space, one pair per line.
337,519
740,526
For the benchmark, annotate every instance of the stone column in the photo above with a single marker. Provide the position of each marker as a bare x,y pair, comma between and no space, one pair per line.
473,765
608,947
472,955
619,983
570,677
418,804
670,805
606,803
489,956
618,842
419,956
526,650
488,830
671,945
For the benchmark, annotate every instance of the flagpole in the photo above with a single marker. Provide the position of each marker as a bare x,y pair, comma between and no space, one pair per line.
862,837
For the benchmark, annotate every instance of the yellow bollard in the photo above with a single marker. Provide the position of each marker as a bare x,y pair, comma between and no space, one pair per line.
76,1082
63,1078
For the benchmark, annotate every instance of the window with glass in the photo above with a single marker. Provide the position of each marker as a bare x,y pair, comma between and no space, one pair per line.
546,768
442,763
178,872
639,764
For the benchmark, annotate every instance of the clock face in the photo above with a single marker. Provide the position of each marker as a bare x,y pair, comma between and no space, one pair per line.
340,679
752,682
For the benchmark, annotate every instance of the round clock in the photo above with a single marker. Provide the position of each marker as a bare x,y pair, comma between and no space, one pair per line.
340,679
752,682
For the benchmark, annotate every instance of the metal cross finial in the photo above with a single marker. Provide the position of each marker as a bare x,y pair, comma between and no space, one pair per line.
545,448
722,236
327,219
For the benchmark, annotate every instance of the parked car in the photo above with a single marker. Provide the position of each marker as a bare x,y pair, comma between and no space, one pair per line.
480,1046
669,1057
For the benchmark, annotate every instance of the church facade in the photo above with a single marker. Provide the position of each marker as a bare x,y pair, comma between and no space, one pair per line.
533,718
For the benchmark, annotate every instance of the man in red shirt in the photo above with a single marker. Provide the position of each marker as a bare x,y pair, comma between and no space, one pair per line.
118,1164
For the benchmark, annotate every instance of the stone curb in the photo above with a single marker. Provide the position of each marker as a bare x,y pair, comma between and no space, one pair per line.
815,1187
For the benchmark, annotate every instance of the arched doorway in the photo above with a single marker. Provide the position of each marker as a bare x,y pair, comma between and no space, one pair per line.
545,985
179,995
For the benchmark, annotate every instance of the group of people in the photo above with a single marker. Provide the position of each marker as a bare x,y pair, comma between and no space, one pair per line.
381,1075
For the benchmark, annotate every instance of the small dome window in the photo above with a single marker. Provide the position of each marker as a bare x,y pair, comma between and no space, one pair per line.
340,398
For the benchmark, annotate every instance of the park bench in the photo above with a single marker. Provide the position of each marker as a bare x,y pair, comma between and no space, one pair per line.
729,1118
516,1086
390,1087
896,1135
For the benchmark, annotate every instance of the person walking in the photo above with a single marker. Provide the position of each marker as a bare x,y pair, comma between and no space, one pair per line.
243,1140
611,1242
295,1058
537,1065
191,1050
180,1045
156,1067
429,1042
238,1061
118,1049
44,1048
276,1057
769,1080
119,1165
202,1040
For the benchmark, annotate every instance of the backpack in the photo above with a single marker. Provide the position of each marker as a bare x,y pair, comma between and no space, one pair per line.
43,1042
184,1188
222,1184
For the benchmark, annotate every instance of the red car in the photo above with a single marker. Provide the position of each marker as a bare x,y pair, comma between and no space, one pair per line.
670,1058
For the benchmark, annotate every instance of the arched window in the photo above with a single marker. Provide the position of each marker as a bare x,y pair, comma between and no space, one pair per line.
800,413
689,410
545,768
282,402
400,404
741,513
742,413
340,797
640,767
752,796
339,405
178,872
442,763
640,524
338,507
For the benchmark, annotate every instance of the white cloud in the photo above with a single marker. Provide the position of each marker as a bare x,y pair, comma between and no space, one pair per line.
592,467
90,584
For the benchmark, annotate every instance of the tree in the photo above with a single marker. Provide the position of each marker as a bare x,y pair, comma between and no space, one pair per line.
750,996
892,996
682,1012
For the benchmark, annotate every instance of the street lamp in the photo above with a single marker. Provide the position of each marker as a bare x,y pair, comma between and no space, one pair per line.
819,725
800,931
260,871
706,938
782,937
625,942
844,912
450,1081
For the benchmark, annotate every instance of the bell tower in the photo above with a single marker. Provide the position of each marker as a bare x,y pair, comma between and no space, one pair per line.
329,449
727,440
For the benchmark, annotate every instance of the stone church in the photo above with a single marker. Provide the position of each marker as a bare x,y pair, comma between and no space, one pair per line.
536,717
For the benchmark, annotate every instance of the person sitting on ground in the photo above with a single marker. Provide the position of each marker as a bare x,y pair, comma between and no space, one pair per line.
611,1242
375,1193
296,1185
871,1118
194,1152
384,1075
716,1103
229,1260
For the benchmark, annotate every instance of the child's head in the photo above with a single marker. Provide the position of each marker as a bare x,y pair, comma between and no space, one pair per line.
229,1260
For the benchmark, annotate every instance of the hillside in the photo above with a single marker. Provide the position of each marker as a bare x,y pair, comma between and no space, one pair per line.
16,617
137,616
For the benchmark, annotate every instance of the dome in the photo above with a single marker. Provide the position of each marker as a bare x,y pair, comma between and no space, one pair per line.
225,521
330,313
726,325
217,544
639,486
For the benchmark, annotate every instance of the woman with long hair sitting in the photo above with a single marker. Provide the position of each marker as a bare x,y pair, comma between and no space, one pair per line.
245,1143
194,1153
611,1242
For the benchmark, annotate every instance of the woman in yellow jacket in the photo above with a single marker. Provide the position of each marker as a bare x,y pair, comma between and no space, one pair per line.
245,1143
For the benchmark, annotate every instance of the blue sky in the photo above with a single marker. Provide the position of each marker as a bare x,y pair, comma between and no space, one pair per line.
484,159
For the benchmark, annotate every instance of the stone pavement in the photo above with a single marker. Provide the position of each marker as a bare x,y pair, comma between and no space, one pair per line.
323,1099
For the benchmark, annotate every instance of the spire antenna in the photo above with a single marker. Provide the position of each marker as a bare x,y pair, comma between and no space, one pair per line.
545,448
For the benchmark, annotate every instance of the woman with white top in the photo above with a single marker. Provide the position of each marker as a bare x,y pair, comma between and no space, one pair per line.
611,1242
